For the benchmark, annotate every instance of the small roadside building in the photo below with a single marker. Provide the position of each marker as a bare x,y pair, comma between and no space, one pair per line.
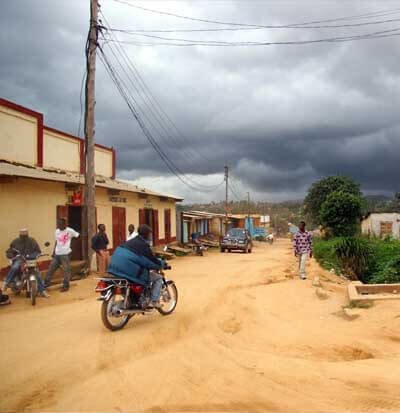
41,179
381,224
210,223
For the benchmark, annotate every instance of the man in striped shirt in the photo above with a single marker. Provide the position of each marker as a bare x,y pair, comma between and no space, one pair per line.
302,244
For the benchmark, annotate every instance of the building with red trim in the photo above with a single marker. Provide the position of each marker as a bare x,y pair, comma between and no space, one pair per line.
41,179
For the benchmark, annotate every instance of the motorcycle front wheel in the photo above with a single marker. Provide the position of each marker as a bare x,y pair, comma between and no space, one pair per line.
33,291
169,299
110,319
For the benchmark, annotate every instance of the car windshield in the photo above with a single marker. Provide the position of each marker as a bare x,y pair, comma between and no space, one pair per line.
236,232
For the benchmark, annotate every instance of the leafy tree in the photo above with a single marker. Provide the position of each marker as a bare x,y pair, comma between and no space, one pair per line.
341,213
320,190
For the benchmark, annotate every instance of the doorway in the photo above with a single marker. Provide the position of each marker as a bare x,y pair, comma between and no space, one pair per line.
118,226
150,217
73,216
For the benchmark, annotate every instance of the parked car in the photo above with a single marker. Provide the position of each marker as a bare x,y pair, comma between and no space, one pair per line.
237,239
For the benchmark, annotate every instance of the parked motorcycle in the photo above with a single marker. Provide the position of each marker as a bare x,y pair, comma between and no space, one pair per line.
26,279
122,299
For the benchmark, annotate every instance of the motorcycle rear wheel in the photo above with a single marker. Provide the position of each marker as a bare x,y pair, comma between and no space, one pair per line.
33,291
107,317
173,300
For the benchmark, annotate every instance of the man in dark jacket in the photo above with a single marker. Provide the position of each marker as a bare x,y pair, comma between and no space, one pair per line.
26,246
99,245
135,260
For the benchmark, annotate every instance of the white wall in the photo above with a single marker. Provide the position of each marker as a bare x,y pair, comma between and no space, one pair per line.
372,225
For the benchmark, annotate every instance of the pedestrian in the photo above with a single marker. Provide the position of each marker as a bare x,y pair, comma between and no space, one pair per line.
131,232
302,244
99,245
62,253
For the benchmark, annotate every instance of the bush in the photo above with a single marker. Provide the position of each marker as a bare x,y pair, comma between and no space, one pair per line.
324,252
355,255
373,260
341,213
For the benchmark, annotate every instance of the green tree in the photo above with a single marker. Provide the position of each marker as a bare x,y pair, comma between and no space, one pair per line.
320,190
341,213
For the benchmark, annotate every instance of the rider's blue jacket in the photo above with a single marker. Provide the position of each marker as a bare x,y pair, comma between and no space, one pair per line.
133,261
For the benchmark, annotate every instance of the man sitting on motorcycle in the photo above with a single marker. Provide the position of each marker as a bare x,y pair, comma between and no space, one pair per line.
26,246
135,261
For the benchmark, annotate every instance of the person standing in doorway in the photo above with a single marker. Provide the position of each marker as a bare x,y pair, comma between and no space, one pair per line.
302,244
62,253
99,245
131,232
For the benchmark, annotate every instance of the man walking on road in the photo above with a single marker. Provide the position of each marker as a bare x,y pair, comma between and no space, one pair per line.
99,245
62,253
302,244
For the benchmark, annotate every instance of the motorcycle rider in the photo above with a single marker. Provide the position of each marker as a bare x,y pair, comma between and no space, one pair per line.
26,246
135,261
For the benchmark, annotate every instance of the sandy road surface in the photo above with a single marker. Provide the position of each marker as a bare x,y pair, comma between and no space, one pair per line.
246,336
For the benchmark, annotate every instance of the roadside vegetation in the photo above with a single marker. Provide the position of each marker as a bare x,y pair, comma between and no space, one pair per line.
336,204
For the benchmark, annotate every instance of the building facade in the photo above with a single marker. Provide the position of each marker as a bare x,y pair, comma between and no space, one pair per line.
41,179
381,225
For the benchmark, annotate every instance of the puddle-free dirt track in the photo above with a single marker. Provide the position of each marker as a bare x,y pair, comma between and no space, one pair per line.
246,336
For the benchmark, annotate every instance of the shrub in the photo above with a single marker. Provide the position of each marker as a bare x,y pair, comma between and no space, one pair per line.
390,273
324,252
341,213
354,254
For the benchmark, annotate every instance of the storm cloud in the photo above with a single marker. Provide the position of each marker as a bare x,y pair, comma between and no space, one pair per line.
279,116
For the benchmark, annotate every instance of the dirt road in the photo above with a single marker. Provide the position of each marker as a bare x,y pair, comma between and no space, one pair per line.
246,336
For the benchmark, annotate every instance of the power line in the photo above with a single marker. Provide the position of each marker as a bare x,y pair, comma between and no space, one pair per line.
150,121
230,29
191,42
130,101
162,117
81,102
295,25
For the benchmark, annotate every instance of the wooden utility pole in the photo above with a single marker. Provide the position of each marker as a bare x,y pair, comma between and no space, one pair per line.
226,197
90,102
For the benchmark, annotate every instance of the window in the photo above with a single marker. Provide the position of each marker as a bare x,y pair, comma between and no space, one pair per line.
386,228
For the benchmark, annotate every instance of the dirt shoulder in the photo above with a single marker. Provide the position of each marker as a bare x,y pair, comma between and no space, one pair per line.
247,335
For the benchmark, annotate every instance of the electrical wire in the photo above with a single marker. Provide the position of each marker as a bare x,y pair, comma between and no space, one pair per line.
131,102
372,35
81,102
230,29
154,106
287,26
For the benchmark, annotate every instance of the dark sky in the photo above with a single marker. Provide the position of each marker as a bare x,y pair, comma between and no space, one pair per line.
281,116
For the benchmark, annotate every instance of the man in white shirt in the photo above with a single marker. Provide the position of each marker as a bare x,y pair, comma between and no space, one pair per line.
131,232
62,253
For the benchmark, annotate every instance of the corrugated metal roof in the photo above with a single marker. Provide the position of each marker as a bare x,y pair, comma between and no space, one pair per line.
19,170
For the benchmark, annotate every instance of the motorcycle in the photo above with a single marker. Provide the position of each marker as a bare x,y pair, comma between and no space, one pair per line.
26,279
122,299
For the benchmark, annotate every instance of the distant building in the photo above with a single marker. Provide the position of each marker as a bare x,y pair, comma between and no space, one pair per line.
212,223
41,179
381,224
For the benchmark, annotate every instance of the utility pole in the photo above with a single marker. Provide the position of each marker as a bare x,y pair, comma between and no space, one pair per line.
226,197
248,205
90,179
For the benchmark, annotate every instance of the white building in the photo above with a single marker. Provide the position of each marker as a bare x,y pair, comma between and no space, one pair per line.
382,224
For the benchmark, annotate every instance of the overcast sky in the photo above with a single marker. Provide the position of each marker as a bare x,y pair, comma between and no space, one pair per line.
280,116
